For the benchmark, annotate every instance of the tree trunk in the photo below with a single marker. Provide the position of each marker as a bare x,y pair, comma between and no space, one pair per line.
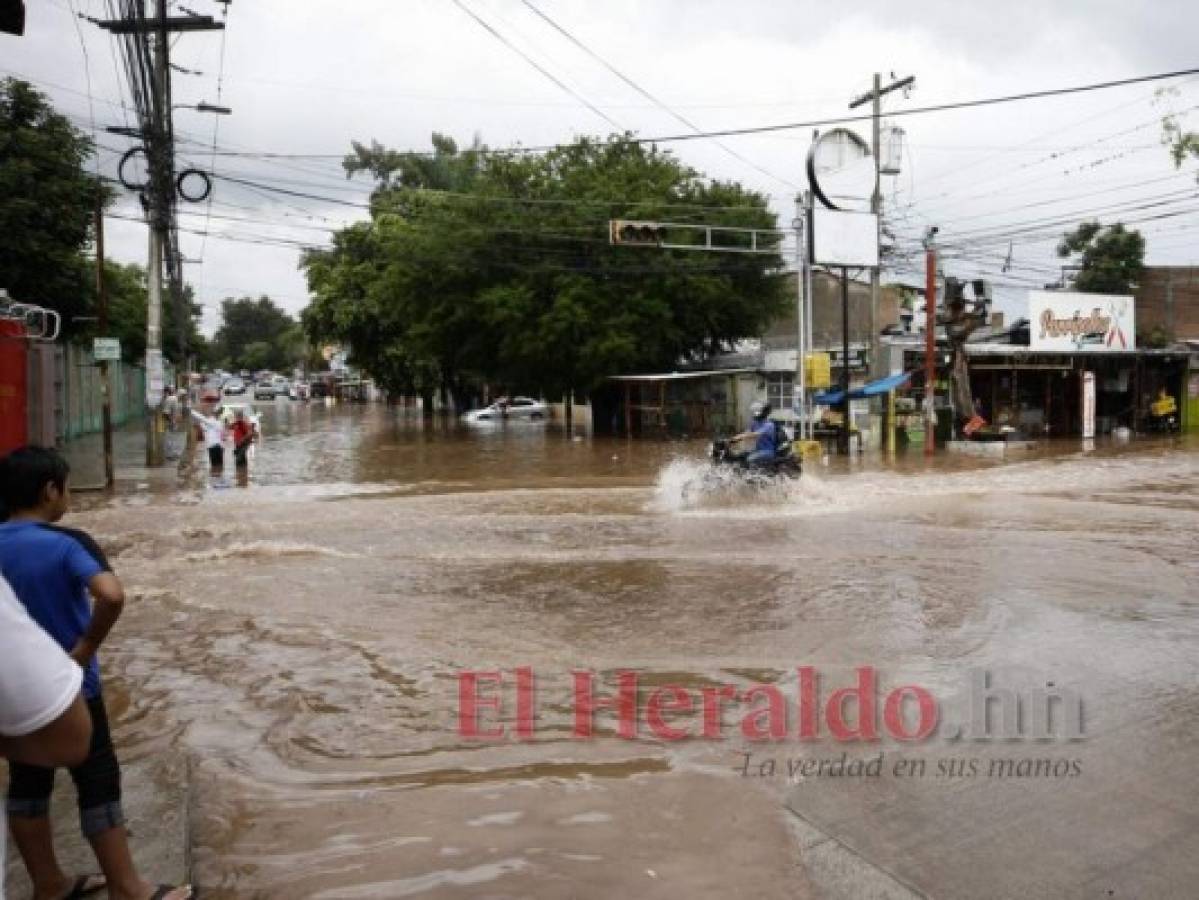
568,411
426,403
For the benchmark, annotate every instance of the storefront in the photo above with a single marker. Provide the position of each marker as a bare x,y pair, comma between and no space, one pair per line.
1045,393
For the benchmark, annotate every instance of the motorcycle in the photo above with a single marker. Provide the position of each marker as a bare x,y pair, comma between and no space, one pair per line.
785,464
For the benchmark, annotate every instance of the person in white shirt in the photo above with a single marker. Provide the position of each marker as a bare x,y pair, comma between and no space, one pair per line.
214,438
43,719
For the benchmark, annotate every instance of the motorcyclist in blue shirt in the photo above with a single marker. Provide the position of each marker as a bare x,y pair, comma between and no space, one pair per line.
763,430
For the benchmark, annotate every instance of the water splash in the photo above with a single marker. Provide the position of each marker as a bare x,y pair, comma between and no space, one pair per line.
686,485
689,486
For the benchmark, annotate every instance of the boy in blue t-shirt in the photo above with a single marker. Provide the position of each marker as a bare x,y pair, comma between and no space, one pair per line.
52,570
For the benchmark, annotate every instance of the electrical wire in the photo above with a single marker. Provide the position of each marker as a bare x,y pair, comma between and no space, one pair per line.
532,62
216,126
678,117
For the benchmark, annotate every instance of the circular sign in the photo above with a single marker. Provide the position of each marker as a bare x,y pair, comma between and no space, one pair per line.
841,170
140,178
196,196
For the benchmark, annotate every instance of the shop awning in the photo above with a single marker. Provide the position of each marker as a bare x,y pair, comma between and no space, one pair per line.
870,389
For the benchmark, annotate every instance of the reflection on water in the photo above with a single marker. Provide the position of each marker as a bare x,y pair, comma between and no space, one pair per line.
300,640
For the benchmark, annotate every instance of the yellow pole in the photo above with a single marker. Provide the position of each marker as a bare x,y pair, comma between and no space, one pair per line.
891,424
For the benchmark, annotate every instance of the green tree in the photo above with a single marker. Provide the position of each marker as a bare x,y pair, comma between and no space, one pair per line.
254,334
1111,260
1181,144
128,303
446,169
47,204
514,281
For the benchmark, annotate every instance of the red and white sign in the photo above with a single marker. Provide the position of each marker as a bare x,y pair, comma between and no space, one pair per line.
1066,321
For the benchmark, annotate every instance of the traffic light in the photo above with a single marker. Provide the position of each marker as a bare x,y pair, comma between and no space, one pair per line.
955,291
983,296
645,234
12,17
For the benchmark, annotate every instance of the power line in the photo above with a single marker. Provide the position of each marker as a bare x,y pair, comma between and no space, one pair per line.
647,95
1057,129
87,70
532,62
1052,157
216,125
912,111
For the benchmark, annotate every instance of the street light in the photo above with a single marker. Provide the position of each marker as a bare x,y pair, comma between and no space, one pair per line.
204,106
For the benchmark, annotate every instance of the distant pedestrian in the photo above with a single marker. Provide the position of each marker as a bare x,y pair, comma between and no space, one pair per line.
53,570
244,435
213,431
170,408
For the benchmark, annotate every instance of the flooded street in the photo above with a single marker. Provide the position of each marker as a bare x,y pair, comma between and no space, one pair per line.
293,650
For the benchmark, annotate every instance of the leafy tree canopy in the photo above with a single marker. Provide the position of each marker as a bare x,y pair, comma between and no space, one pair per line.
1111,260
498,267
47,204
256,334
128,302
1181,144
47,214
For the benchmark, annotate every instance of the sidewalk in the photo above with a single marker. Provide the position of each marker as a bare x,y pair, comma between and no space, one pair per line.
157,810
86,456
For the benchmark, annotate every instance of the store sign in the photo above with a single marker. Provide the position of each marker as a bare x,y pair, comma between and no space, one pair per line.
1065,321
106,349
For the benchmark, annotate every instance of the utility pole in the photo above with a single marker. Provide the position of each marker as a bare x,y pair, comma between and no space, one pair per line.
930,340
152,36
163,193
875,97
105,383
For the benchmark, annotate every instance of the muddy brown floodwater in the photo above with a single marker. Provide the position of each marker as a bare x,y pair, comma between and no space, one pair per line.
299,642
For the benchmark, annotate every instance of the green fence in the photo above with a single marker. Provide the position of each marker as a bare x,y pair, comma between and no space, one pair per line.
80,397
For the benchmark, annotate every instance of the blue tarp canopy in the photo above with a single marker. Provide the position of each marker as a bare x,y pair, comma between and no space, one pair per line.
870,389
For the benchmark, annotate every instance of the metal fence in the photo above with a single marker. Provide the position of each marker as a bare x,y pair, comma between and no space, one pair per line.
65,397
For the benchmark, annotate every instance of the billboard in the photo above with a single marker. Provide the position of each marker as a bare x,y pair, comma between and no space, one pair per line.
842,238
1064,321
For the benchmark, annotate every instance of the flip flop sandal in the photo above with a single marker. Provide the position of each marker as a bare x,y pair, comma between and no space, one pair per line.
164,889
82,888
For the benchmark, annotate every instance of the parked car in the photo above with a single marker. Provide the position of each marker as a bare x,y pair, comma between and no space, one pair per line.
264,390
508,408
234,387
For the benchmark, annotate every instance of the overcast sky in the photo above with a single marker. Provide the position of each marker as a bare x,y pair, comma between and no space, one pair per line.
307,77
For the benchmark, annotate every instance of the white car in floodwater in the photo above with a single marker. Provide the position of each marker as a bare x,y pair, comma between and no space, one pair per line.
508,409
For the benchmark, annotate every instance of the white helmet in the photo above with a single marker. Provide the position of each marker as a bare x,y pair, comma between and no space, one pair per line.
759,409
